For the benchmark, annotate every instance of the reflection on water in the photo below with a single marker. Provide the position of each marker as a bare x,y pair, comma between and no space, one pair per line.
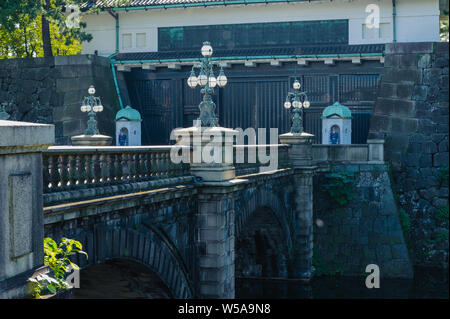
426,284
124,279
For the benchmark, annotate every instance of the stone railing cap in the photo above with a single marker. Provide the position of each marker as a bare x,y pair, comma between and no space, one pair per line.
19,134
375,141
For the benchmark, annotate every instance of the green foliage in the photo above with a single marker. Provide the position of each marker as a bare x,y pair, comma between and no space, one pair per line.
442,176
22,32
444,30
57,259
405,220
442,236
442,213
340,186
322,268
25,40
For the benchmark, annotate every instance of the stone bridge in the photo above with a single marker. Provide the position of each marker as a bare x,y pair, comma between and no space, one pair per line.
196,232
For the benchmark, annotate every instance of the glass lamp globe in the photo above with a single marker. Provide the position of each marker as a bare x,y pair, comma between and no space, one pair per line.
212,82
100,108
192,81
207,49
306,104
296,85
83,108
202,79
95,108
297,104
287,105
222,80
91,90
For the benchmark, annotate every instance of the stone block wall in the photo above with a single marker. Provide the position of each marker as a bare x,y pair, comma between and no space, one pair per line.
366,230
411,114
50,90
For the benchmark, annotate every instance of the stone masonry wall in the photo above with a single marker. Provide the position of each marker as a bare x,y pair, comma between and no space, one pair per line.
411,114
50,90
366,230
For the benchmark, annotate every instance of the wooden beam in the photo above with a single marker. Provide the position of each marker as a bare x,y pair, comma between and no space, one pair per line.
275,63
147,66
173,66
123,68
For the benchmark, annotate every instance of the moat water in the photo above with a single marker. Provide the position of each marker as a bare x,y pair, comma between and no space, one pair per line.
123,279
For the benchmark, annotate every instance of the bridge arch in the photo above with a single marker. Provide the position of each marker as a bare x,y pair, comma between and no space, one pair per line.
263,240
143,244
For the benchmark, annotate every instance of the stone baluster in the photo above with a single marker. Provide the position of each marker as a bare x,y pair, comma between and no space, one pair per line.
81,170
96,160
119,167
73,172
146,166
64,171
125,168
46,164
154,163
131,167
111,169
104,168
89,169
54,173
137,166
167,165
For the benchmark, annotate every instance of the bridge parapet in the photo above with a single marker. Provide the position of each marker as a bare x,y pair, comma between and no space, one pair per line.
248,159
72,173
372,153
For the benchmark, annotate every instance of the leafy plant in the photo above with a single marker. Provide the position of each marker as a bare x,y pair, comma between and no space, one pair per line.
57,259
442,236
405,220
442,175
442,213
340,186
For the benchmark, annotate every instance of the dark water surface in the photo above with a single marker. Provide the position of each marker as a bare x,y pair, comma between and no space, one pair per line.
427,284
124,279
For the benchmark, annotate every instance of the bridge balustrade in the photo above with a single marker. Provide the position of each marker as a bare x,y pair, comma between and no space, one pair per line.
247,158
68,168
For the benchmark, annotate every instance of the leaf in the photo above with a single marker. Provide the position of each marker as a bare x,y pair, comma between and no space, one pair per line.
52,289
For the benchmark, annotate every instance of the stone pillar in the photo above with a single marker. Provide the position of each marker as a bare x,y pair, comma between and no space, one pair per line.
376,151
300,158
21,215
214,275
215,242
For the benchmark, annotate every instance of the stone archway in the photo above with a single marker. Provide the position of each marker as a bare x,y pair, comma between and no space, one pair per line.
121,279
147,246
261,247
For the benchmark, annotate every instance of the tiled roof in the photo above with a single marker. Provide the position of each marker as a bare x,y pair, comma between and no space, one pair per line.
261,52
143,3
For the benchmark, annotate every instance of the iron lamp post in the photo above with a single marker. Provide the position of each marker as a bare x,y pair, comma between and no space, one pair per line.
297,101
91,105
208,81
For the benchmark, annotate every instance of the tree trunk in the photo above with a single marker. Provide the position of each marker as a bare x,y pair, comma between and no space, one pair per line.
46,40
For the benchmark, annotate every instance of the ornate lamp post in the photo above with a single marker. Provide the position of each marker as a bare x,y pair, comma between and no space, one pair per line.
208,81
296,101
93,105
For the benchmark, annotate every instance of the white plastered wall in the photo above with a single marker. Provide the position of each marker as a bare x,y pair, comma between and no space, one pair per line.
417,20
